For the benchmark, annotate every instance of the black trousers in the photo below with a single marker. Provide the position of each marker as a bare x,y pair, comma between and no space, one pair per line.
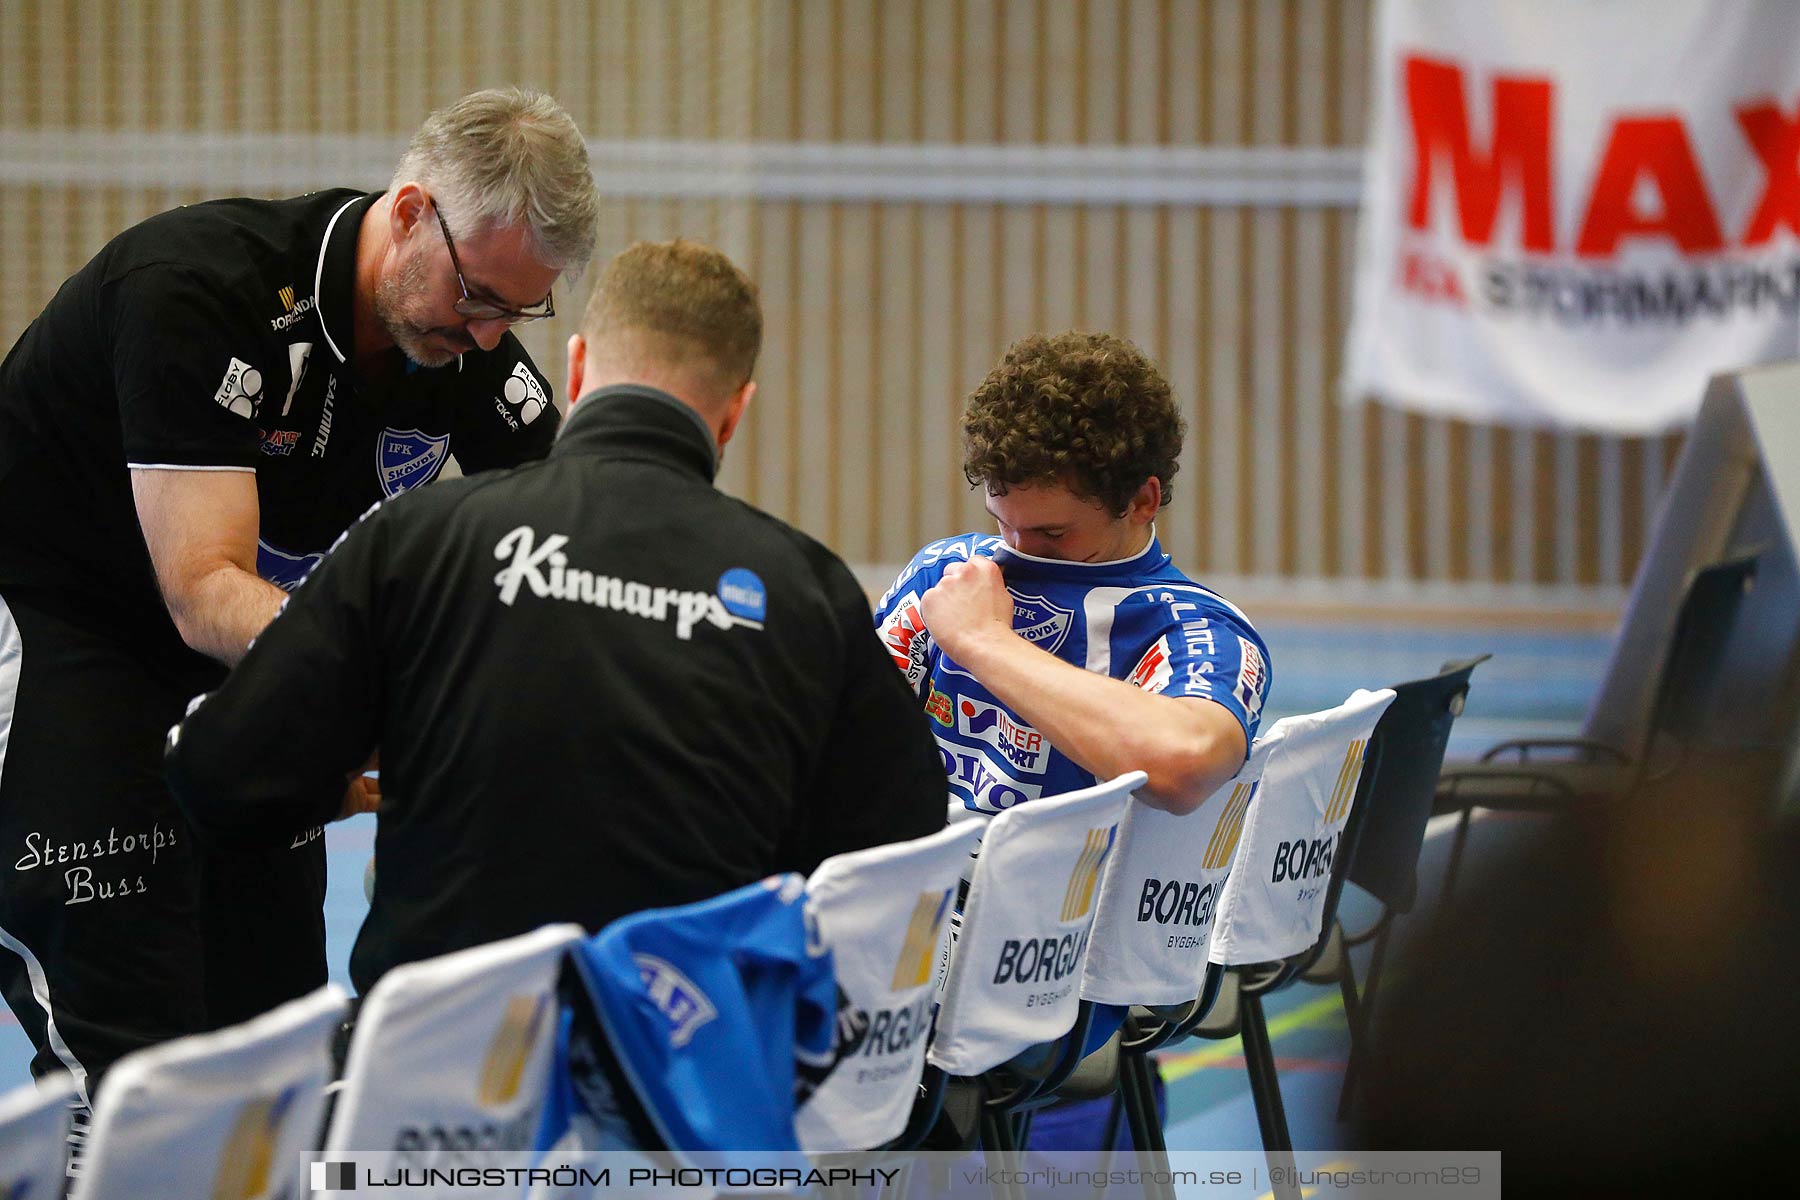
117,930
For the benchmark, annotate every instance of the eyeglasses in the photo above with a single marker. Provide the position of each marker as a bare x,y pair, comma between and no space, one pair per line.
486,310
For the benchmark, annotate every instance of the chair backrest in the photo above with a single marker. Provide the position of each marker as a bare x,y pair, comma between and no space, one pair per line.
885,915
961,814
1161,893
455,1048
712,1009
1013,979
1387,822
1276,899
227,1115
34,1131
1681,705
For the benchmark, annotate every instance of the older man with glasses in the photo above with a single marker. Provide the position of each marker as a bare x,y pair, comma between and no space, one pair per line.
184,431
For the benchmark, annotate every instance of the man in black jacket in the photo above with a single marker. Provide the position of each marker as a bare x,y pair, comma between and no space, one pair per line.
598,684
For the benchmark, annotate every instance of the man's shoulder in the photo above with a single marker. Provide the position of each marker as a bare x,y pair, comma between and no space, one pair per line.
509,361
503,394
1184,639
425,514
242,261
508,488
424,531
216,235
715,518
1170,588
501,409
745,520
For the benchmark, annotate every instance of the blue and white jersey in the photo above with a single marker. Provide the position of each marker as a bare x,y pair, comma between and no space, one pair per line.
717,1011
1137,619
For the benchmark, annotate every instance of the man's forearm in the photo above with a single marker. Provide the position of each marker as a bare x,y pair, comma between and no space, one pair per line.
1106,726
238,762
223,610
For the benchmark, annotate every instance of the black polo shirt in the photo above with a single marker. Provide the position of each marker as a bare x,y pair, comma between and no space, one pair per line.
218,336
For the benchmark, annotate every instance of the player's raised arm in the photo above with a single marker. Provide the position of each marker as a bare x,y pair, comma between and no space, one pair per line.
1187,745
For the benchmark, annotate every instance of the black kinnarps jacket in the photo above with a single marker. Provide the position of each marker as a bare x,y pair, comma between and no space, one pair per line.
597,684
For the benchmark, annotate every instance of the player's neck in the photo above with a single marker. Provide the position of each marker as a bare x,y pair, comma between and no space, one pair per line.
1134,543
373,244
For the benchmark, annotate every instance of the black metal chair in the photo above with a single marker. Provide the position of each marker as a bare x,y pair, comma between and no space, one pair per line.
1379,852
1237,1009
983,1064
960,1113
1509,779
1387,832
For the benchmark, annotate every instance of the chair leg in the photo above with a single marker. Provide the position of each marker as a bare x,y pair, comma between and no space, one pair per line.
925,1112
1137,1083
1115,1115
1355,1016
1365,1021
1265,1086
1265,1092
1376,958
997,1132
1140,1104
999,1149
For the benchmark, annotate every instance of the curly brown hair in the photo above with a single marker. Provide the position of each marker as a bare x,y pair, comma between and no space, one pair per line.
1088,410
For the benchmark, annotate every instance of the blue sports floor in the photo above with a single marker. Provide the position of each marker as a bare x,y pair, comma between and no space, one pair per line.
1537,683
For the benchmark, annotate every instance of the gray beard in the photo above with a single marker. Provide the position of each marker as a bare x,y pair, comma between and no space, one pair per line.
391,298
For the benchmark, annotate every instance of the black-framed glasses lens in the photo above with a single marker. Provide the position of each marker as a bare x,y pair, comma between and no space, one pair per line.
484,310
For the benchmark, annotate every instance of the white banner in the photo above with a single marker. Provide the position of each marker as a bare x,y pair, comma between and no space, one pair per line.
1574,213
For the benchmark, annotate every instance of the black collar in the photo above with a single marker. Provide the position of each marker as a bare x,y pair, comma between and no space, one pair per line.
634,420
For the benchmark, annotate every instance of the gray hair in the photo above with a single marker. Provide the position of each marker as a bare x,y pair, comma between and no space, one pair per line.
506,157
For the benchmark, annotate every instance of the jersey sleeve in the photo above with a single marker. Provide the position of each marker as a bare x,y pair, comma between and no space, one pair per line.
191,376
508,416
879,777
268,753
1202,650
899,623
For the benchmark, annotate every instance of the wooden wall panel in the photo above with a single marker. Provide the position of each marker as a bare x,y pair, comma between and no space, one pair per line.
884,308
